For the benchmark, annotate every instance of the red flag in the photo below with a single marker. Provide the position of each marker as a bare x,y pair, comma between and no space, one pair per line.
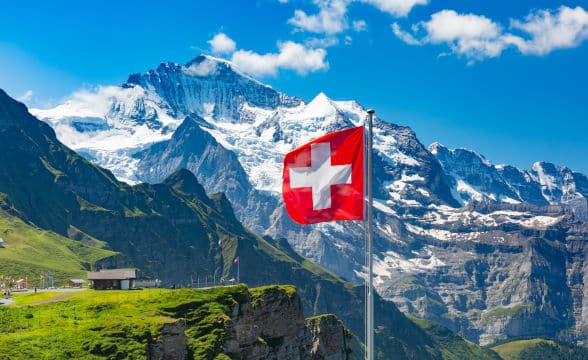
236,261
323,179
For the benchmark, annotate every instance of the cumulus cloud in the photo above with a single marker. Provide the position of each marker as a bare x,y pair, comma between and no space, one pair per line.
291,56
473,36
551,30
332,15
331,18
477,37
398,8
28,95
222,44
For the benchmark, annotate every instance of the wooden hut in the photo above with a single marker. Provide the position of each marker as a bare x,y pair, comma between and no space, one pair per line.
115,279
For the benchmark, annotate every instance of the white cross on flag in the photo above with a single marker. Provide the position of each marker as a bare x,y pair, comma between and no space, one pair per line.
323,179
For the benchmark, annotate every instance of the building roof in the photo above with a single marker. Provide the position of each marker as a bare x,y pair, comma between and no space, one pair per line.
77,281
115,274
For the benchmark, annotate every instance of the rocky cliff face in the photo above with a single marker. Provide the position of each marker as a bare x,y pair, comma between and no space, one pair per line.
272,326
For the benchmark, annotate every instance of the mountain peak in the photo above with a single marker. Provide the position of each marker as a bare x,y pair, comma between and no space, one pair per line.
321,98
437,147
321,104
205,65
12,112
185,181
544,166
205,57
457,154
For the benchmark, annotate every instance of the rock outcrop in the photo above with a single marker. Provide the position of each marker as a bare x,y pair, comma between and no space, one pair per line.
272,326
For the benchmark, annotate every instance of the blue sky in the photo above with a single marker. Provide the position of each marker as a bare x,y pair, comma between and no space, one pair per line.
507,79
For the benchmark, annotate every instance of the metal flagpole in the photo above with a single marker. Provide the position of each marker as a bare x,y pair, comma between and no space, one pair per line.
369,342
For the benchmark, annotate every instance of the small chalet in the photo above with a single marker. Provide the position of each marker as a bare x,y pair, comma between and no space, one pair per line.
115,279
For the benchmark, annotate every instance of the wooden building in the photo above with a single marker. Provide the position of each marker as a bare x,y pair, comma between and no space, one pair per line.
115,279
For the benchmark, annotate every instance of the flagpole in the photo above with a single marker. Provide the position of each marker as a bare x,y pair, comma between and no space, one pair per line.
370,288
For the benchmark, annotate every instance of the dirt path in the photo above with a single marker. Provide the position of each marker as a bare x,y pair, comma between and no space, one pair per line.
53,299
6,302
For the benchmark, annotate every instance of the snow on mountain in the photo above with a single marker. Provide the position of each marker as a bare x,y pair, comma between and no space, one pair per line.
111,123
475,178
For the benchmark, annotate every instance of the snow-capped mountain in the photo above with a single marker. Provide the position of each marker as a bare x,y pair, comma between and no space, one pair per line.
112,123
473,177
457,238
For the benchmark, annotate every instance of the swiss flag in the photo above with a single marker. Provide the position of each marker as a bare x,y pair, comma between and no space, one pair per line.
323,179
236,260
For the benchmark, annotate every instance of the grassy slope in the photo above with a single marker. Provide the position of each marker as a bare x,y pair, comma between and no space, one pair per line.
452,346
29,251
543,349
117,324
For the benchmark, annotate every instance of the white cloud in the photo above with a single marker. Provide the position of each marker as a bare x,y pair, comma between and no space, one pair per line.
359,26
222,44
291,56
330,19
448,25
348,40
399,8
205,68
473,36
28,95
551,30
332,15
477,37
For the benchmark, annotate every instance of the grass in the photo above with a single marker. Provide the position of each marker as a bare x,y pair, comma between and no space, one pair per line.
511,350
501,311
452,346
531,349
258,292
29,251
116,324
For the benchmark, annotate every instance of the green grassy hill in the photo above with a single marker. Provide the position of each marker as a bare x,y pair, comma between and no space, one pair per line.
123,324
115,324
28,251
540,349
